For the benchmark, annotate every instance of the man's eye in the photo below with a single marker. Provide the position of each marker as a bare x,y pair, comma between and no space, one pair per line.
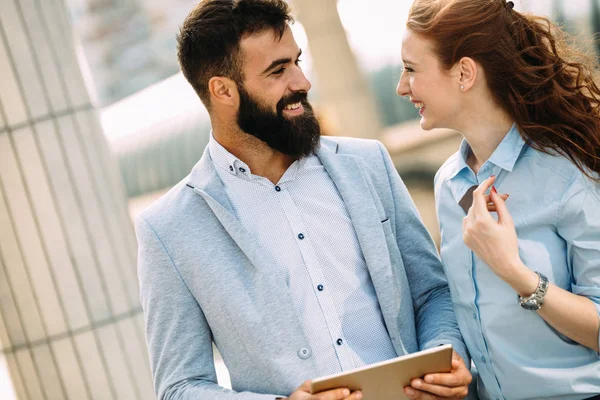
278,72
298,61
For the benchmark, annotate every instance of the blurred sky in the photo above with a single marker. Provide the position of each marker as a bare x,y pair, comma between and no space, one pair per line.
374,27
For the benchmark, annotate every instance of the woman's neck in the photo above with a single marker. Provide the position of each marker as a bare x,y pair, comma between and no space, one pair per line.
484,132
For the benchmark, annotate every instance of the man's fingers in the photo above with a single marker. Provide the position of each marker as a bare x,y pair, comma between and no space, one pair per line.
455,379
334,394
355,396
305,387
439,390
339,394
415,394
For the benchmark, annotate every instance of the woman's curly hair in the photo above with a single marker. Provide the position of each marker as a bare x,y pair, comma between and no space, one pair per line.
532,68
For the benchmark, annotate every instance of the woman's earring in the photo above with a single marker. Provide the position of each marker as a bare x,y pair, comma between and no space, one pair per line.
462,87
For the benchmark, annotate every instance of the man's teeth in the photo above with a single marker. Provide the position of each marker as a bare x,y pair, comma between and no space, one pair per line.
419,105
294,106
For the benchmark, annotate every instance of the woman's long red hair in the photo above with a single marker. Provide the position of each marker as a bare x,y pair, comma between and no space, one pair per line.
531,69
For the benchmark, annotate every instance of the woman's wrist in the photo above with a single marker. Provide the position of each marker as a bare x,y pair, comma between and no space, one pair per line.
523,280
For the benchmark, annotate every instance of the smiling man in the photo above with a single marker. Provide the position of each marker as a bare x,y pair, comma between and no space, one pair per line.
297,256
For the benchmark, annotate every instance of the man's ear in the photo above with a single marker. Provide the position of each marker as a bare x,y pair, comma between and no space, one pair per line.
467,69
223,91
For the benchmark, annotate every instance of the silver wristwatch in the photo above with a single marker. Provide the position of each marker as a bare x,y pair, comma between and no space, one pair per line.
534,302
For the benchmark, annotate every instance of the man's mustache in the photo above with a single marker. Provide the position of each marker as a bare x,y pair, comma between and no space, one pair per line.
296,97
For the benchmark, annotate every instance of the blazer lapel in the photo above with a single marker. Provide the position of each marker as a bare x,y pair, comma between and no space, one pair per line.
276,304
205,182
367,214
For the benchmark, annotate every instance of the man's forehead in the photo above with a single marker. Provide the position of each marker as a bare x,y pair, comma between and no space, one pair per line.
260,49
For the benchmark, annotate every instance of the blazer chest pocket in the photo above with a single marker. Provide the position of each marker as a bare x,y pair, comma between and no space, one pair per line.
386,224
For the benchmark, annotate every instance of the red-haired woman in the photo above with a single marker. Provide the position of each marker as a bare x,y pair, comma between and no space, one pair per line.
524,273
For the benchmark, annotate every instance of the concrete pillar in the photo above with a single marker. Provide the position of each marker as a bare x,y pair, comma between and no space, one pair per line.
70,319
343,91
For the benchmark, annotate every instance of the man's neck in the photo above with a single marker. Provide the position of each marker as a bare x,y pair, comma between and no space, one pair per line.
260,158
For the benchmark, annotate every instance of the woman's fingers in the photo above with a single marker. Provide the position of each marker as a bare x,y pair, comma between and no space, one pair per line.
503,196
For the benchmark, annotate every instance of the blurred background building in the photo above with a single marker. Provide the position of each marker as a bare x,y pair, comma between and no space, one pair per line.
84,147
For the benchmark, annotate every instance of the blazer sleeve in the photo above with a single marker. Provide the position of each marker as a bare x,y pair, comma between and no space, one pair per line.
434,315
177,333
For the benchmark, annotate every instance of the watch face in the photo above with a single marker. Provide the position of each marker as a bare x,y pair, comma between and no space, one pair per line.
530,304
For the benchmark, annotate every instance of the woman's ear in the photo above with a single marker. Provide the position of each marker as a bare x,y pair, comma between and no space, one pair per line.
467,73
223,91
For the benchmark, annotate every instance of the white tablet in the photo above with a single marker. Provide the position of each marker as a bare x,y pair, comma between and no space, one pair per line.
386,380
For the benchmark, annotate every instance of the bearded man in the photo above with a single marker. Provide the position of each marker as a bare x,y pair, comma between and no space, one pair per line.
297,255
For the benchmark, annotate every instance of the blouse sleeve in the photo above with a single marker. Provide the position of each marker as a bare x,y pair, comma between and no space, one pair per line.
579,224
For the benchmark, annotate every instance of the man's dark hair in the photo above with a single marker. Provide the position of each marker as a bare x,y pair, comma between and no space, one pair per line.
208,43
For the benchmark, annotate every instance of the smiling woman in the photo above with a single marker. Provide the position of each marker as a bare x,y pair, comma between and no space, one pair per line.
528,107
427,83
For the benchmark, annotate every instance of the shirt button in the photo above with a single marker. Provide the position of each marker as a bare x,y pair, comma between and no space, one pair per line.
474,316
277,188
320,287
300,236
242,169
483,359
231,168
304,353
339,342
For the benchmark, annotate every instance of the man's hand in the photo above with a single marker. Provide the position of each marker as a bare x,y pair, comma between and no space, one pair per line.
451,385
303,393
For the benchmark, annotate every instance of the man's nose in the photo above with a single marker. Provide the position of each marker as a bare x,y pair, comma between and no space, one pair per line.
300,83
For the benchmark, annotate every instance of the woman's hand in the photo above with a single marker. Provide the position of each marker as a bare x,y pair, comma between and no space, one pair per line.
495,241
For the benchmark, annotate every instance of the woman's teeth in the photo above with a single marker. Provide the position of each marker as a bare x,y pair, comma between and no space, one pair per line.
419,105
294,106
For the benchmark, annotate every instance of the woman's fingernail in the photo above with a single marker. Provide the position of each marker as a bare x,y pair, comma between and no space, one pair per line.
358,395
417,383
494,189
409,392
428,378
346,392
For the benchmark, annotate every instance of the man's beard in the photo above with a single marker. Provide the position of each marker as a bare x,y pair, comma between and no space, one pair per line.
297,136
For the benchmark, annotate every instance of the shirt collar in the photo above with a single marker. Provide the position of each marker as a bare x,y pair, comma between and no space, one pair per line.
224,160
227,162
505,156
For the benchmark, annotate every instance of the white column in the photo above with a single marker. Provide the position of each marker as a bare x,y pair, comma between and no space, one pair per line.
70,319
343,90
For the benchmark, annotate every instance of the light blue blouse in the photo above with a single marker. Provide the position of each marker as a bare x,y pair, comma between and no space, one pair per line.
556,211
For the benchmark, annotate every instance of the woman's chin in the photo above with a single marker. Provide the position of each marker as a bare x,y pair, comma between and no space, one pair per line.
425,125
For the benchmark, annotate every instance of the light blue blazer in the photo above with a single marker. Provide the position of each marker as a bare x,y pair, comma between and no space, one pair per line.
204,279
